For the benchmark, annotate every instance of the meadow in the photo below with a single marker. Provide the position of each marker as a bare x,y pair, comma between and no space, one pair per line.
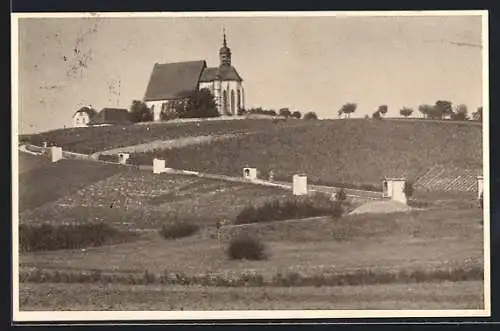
428,258
348,153
88,140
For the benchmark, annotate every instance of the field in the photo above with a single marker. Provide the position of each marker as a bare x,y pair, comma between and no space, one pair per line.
458,295
353,153
428,258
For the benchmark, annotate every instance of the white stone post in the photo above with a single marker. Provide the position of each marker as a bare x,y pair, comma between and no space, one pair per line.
299,184
122,158
394,189
158,166
480,186
250,173
55,153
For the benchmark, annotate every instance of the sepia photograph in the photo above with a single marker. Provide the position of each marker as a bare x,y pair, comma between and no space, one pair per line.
250,165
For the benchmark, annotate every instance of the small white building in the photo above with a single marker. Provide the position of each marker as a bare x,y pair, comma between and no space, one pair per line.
299,184
394,188
250,173
82,117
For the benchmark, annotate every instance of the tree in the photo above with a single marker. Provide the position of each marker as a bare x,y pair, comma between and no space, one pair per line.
297,115
376,115
285,112
310,116
460,113
443,108
201,105
478,114
91,111
347,109
405,111
140,112
382,109
427,110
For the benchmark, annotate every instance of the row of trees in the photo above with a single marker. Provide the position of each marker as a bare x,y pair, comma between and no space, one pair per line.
442,109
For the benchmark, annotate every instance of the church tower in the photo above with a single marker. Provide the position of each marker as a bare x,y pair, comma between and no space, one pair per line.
225,53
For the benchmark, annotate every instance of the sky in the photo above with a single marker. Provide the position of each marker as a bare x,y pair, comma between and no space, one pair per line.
302,63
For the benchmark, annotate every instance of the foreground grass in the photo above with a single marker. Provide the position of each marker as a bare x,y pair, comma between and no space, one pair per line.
336,152
445,295
423,240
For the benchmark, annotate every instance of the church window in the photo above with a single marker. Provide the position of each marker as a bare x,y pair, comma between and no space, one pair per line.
232,102
224,102
239,98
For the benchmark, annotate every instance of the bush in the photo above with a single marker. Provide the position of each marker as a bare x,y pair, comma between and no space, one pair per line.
108,158
178,229
50,237
247,247
289,209
408,189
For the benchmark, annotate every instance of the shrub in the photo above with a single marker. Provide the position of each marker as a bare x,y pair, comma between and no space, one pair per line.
108,158
178,229
50,237
247,247
292,208
408,189
340,195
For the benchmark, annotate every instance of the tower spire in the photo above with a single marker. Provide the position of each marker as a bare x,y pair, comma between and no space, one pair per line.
224,52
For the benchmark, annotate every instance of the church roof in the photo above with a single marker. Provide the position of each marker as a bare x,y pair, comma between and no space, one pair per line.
174,80
225,72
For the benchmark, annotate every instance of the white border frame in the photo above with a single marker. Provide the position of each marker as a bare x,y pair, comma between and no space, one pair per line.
24,316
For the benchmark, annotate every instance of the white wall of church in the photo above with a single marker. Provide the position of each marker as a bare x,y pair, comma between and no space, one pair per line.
229,90
80,119
155,106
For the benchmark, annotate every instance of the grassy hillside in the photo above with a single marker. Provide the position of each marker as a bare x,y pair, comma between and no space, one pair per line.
41,181
136,198
353,152
94,139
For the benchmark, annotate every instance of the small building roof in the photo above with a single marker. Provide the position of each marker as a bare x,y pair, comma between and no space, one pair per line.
223,72
111,116
170,81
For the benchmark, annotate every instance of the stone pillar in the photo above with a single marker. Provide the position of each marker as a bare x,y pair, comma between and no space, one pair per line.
299,184
158,166
394,188
122,158
480,186
250,173
55,153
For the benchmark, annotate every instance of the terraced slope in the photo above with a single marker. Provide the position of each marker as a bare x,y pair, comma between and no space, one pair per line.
140,199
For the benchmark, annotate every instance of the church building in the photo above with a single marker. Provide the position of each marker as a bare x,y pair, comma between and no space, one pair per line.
171,84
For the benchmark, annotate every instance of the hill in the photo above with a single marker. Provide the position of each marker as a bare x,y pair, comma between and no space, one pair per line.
41,181
350,153
89,140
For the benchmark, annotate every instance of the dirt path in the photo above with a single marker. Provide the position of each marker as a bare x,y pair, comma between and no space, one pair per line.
168,144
